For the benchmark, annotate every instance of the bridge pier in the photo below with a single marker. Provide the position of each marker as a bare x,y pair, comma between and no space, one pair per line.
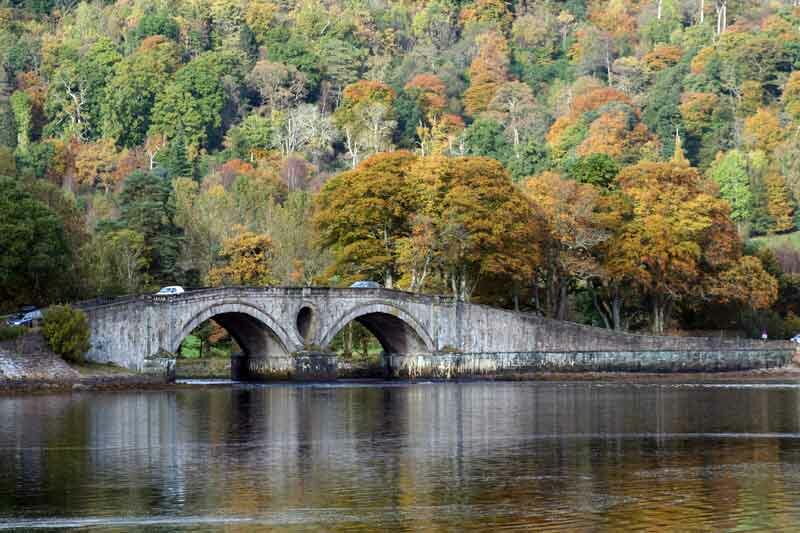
301,366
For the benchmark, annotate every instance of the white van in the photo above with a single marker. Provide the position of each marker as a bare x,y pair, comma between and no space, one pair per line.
170,291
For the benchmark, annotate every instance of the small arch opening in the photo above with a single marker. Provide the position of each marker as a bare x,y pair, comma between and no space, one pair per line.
306,323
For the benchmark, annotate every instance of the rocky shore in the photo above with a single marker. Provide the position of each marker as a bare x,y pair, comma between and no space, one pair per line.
27,364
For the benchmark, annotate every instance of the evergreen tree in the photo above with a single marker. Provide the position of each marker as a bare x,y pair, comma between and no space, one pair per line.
176,159
148,207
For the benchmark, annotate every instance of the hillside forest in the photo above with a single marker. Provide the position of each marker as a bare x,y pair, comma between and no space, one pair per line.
628,164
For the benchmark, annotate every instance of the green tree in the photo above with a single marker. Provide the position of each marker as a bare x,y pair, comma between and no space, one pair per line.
67,332
131,92
21,107
486,137
192,104
156,23
33,249
176,159
116,262
147,207
595,169
729,171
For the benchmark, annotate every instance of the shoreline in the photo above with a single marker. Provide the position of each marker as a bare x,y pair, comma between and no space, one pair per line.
135,382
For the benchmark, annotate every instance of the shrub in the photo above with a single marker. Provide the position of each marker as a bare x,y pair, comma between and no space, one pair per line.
8,333
67,332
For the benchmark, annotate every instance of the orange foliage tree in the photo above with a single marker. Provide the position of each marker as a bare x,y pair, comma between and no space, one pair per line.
95,164
602,120
487,72
429,92
484,227
674,228
361,215
568,209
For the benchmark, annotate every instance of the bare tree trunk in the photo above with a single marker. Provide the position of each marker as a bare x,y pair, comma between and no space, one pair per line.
561,309
660,2
722,15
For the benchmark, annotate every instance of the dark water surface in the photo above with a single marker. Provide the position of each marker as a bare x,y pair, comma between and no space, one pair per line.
542,456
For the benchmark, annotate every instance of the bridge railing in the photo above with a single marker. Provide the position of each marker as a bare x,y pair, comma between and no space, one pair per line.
242,291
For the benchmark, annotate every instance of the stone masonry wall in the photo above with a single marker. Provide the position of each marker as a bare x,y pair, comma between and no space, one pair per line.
453,366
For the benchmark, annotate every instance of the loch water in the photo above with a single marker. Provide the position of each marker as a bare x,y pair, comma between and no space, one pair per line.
405,456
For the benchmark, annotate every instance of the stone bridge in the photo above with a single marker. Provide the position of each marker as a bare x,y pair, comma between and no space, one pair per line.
287,332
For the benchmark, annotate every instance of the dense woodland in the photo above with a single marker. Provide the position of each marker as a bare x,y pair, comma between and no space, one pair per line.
603,161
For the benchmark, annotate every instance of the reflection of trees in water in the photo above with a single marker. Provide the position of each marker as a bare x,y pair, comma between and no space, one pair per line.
494,453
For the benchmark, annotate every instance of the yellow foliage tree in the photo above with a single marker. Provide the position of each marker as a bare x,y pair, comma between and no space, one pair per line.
779,203
746,283
95,164
674,230
247,260
763,130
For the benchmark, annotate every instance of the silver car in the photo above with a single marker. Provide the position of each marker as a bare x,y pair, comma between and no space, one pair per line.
366,285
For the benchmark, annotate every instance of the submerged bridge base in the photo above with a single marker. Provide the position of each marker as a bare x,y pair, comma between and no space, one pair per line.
510,365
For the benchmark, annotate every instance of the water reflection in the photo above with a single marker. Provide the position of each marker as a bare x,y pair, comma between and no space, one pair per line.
432,456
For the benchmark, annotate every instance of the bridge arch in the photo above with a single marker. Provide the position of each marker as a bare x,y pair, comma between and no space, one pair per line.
257,333
395,328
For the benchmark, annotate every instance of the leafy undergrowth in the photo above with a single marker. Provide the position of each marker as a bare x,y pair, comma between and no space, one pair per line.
772,242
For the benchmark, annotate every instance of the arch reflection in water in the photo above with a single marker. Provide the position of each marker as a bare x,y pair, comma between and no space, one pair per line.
439,456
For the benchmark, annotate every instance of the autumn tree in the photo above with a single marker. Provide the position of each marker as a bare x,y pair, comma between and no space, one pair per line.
366,119
428,90
247,260
616,25
779,203
487,72
763,131
673,229
747,284
95,164
361,215
568,209
484,227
